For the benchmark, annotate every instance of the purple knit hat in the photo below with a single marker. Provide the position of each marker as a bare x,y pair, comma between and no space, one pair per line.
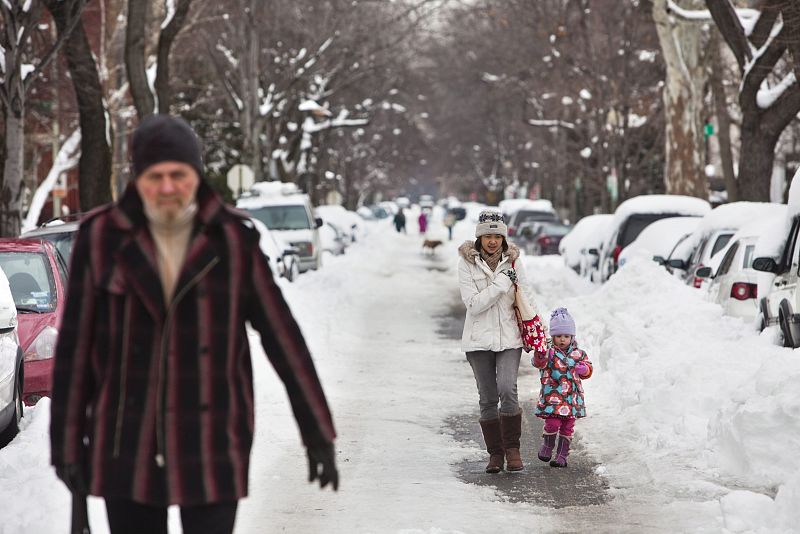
561,323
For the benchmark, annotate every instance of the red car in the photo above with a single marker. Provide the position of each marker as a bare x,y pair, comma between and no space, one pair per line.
37,275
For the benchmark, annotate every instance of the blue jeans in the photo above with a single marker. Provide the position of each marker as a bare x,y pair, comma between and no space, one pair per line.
496,377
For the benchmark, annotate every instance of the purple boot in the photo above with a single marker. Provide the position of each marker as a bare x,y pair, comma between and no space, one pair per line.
546,450
562,452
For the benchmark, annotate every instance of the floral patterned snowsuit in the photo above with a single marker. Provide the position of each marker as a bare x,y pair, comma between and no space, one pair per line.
561,394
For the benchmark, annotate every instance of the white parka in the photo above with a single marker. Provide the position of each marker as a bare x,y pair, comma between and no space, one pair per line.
489,297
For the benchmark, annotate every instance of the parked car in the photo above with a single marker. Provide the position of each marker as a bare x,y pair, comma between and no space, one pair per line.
333,238
778,253
12,371
711,236
37,275
581,245
736,286
658,240
634,215
426,202
528,210
541,237
284,259
61,232
348,221
288,213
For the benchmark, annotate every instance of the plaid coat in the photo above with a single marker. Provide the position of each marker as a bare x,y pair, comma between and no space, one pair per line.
156,401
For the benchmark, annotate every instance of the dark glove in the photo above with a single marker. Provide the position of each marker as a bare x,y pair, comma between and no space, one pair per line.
322,465
72,475
512,274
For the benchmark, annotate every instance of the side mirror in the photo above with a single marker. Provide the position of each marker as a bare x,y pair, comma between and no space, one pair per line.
703,272
766,264
593,252
677,264
527,232
659,260
318,220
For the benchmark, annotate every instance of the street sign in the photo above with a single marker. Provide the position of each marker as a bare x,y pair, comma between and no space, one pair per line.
240,178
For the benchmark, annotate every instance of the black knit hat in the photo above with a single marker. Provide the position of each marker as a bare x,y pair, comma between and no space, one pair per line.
163,138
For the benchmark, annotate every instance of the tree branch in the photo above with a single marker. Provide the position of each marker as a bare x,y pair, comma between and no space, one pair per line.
730,27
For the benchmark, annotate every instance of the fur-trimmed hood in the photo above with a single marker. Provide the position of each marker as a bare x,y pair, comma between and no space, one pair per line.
468,252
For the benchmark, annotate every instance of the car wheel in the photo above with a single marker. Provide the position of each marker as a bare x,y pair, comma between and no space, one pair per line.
293,272
786,330
13,426
762,324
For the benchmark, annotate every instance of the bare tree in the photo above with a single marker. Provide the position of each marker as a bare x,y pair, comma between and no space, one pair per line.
136,55
683,45
94,167
17,73
770,51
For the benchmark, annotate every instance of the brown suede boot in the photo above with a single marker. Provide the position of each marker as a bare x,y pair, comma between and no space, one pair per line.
494,444
511,429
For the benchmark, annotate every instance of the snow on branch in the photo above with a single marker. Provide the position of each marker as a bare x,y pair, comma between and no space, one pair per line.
551,123
768,95
67,158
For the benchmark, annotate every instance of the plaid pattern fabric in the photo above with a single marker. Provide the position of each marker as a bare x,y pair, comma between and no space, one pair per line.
150,386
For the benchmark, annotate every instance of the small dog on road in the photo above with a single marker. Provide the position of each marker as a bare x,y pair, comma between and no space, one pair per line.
431,244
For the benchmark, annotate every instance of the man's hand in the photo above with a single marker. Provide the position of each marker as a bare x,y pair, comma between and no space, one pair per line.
322,465
72,476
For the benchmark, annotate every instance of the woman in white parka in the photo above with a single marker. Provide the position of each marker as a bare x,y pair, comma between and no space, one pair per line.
487,270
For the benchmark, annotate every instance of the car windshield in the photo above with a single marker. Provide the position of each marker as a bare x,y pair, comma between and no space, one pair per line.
31,281
554,229
636,223
282,217
531,215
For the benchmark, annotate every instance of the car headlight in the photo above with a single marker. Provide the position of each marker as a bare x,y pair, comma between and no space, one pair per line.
44,346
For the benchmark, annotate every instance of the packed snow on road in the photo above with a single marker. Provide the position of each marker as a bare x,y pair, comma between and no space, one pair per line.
693,417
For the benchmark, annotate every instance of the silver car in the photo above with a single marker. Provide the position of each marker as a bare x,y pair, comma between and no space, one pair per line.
11,377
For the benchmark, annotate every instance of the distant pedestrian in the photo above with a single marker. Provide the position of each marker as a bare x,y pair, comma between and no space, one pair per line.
561,396
423,222
449,222
400,221
491,339
153,387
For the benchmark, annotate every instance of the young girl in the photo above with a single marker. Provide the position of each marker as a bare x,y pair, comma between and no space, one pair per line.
561,394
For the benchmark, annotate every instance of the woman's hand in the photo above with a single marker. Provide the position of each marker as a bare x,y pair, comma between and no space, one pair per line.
512,274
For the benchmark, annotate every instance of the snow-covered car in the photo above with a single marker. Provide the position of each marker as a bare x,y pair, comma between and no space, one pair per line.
348,221
634,215
538,238
580,246
517,211
333,238
61,232
11,366
426,202
712,234
287,213
659,239
284,259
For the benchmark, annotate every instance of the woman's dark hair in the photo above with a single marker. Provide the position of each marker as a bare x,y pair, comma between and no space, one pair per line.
478,244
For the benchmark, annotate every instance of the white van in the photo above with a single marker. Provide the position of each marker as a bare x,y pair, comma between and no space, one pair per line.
287,212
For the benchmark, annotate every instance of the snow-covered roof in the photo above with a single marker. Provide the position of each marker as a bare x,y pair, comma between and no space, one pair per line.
731,217
278,200
513,205
680,204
